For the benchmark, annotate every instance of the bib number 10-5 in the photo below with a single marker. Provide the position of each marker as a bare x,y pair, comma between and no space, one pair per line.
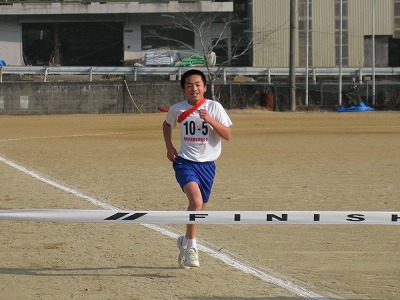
190,128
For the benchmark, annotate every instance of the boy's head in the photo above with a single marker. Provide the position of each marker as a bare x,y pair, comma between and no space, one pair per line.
190,73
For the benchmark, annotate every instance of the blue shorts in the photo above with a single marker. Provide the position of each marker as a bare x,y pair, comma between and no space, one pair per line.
202,173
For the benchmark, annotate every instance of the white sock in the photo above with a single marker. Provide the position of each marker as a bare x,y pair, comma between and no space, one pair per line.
184,242
191,243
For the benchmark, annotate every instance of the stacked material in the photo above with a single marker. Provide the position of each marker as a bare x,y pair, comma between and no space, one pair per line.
195,60
158,57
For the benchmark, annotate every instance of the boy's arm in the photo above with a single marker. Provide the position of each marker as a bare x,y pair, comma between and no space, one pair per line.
172,154
223,131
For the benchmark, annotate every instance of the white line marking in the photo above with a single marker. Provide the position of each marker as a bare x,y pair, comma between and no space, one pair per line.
263,128
302,292
60,136
55,184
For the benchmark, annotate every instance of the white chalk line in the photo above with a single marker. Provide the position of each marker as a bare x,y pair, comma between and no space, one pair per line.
246,268
264,128
60,136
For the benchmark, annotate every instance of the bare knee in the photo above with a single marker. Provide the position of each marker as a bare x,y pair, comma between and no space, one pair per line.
194,196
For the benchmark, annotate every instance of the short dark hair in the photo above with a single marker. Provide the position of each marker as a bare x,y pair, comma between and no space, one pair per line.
190,73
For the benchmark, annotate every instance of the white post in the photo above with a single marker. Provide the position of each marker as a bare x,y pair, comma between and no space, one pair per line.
340,52
90,74
307,45
373,53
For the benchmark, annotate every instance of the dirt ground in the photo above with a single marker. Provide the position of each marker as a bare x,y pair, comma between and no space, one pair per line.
275,161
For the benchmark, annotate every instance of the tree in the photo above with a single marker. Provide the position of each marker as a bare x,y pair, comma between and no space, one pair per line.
211,32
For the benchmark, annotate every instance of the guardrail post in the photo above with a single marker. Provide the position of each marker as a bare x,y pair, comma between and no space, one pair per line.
322,93
230,94
360,74
90,74
1,74
46,72
224,72
314,76
135,74
179,74
269,75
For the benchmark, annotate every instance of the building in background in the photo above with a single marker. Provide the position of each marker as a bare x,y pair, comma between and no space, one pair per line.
324,34
109,33
83,33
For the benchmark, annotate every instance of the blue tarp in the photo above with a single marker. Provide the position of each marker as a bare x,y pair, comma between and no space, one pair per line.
2,63
357,108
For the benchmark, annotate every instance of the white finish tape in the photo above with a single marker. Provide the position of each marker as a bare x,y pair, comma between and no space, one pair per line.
203,217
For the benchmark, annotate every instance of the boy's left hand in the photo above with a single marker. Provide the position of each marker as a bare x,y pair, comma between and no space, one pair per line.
203,113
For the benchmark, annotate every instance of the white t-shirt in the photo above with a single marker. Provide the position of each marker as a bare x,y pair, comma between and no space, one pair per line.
199,141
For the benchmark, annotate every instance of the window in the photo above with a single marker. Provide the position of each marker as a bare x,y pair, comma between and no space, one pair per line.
303,34
396,19
345,32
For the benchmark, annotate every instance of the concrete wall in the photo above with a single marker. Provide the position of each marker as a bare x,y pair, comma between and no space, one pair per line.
28,98
85,8
32,98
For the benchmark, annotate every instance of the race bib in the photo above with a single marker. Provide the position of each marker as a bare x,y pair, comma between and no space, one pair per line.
195,130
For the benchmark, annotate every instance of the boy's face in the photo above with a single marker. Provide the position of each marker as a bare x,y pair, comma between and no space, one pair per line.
194,89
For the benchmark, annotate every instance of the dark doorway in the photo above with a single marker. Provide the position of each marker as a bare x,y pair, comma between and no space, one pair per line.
394,53
76,44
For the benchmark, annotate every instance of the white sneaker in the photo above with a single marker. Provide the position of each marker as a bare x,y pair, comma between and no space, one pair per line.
191,258
181,257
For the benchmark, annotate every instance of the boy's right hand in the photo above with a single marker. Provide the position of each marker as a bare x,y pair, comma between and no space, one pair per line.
172,154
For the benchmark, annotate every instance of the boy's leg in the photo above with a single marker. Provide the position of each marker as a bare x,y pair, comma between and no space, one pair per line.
195,198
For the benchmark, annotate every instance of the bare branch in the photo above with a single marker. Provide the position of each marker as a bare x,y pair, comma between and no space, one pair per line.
211,31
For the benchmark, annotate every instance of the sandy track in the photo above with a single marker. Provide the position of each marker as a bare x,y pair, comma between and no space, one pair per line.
275,161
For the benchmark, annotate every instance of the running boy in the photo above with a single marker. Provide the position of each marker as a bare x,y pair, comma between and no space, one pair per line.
203,123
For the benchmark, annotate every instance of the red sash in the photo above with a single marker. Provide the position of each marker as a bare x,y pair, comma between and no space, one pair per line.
188,112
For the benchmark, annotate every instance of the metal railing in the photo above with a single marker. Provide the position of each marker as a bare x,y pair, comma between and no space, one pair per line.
10,2
223,74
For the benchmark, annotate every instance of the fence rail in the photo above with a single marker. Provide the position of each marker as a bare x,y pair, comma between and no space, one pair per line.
223,73
10,2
